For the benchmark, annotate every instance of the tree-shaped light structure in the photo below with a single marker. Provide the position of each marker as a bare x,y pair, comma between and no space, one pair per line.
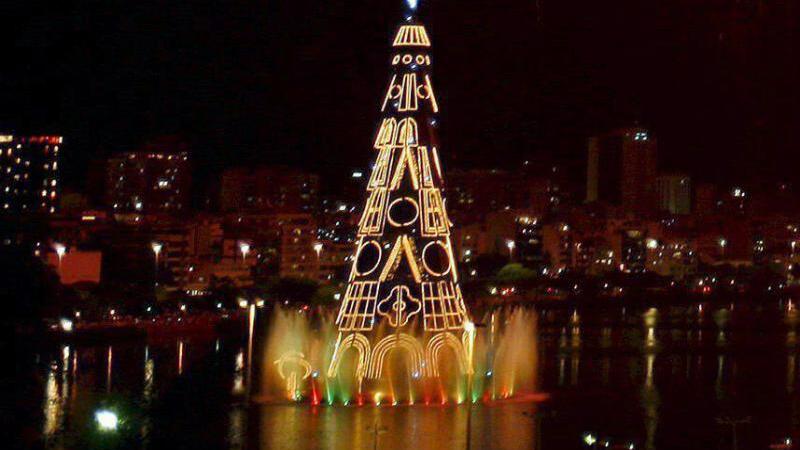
403,292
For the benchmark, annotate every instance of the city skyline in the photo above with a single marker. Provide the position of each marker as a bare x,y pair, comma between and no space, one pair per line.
510,224
248,91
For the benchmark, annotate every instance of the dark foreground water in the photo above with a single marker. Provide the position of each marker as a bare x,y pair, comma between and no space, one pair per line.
666,378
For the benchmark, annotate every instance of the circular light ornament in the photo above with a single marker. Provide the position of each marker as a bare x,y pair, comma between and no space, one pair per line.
423,92
407,59
436,258
367,258
420,59
403,212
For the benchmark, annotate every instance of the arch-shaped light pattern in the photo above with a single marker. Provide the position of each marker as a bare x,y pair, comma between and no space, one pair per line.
403,341
355,341
434,348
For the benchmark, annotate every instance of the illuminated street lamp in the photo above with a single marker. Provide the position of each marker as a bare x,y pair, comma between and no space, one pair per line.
250,305
60,251
106,420
244,247
722,244
156,246
66,324
318,248
510,244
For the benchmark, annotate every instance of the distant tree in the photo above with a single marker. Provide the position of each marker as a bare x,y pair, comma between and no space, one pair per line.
515,272
28,287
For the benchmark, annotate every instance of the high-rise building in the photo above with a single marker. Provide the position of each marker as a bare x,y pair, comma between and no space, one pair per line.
529,241
29,180
298,258
148,182
622,170
268,189
674,194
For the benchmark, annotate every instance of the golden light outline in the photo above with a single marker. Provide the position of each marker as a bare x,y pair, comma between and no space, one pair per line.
411,35
391,342
358,254
389,212
401,243
446,251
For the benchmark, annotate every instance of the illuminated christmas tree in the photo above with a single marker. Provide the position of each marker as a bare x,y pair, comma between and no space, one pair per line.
403,292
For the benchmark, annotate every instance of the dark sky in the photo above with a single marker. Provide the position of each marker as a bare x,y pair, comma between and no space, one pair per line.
300,81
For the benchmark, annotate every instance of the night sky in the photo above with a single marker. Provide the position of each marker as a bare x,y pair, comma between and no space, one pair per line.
300,81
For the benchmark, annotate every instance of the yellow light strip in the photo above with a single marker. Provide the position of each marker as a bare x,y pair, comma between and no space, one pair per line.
442,306
407,133
371,223
406,161
429,85
402,243
409,94
353,259
434,220
436,163
412,35
361,344
449,247
391,342
386,133
396,312
380,174
357,313
405,224
358,254
434,348
449,258
425,167
388,93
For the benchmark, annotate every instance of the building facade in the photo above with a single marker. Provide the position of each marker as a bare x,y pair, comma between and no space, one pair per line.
148,182
268,189
674,194
621,170
29,174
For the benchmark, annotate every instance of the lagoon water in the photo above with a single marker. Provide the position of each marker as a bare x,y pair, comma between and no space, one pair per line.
658,378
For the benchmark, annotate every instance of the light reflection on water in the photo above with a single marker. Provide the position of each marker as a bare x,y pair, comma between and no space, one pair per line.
509,426
659,379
